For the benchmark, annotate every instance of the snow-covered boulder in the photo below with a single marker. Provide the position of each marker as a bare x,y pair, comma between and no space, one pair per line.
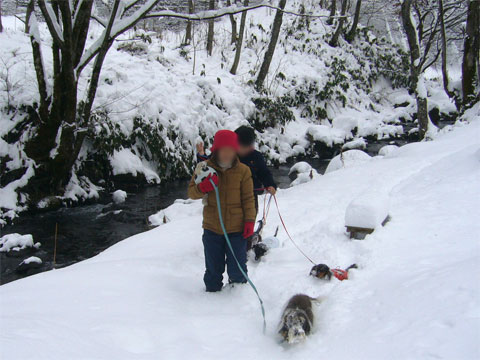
119,196
299,168
347,159
359,144
29,263
387,150
17,242
368,211
302,172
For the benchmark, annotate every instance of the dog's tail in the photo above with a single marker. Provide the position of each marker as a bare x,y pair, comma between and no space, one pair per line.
353,266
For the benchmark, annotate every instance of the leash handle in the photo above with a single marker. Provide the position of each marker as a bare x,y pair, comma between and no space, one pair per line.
250,282
288,234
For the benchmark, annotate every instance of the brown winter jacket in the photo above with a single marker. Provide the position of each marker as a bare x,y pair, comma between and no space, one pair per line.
235,186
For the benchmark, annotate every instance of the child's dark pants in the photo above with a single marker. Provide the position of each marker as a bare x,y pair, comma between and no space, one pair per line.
216,251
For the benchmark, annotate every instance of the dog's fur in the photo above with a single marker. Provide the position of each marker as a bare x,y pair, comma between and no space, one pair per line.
259,249
322,271
297,319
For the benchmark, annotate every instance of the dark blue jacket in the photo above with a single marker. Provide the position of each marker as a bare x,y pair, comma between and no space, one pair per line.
262,177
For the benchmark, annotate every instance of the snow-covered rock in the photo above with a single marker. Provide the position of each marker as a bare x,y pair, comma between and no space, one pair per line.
302,172
367,211
387,150
29,264
359,144
32,259
119,196
347,159
17,242
299,168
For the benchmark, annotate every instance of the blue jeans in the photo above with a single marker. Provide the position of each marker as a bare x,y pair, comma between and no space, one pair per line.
217,254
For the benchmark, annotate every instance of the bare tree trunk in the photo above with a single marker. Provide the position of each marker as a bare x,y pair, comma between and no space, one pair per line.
188,33
1,26
333,10
239,42
353,30
443,38
211,29
38,65
415,67
277,26
470,75
334,41
233,21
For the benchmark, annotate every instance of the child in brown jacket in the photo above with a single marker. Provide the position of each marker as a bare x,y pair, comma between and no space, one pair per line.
235,187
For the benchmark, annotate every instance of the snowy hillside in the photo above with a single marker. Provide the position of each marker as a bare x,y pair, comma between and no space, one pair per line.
156,98
414,296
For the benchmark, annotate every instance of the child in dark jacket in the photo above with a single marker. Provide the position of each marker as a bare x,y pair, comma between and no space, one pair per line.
262,177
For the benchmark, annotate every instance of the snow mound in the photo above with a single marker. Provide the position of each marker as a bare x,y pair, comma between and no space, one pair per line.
367,211
179,210
31,260
304,173
16,242
119,196
387,150
347,159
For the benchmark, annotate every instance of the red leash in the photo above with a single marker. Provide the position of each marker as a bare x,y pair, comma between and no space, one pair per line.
283,224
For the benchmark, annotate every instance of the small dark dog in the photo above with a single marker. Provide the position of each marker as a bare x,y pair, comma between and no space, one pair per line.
322,271
259,249
297,319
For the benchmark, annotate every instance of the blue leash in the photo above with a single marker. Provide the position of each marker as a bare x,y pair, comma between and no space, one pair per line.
233,253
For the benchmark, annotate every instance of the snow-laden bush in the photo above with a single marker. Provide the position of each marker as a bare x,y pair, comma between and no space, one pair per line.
347,159
270,113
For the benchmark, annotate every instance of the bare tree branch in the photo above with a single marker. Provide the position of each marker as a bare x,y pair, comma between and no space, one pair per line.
52,22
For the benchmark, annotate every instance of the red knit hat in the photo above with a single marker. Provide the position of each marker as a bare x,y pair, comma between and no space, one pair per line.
224,138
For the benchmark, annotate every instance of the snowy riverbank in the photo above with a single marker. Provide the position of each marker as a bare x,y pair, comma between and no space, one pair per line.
416,294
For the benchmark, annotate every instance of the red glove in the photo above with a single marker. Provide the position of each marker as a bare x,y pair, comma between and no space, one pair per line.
206,186
248,229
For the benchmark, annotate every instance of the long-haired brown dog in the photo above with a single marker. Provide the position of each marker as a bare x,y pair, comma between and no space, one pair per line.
297,319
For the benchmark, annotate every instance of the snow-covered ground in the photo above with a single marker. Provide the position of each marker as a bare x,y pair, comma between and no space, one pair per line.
415,295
